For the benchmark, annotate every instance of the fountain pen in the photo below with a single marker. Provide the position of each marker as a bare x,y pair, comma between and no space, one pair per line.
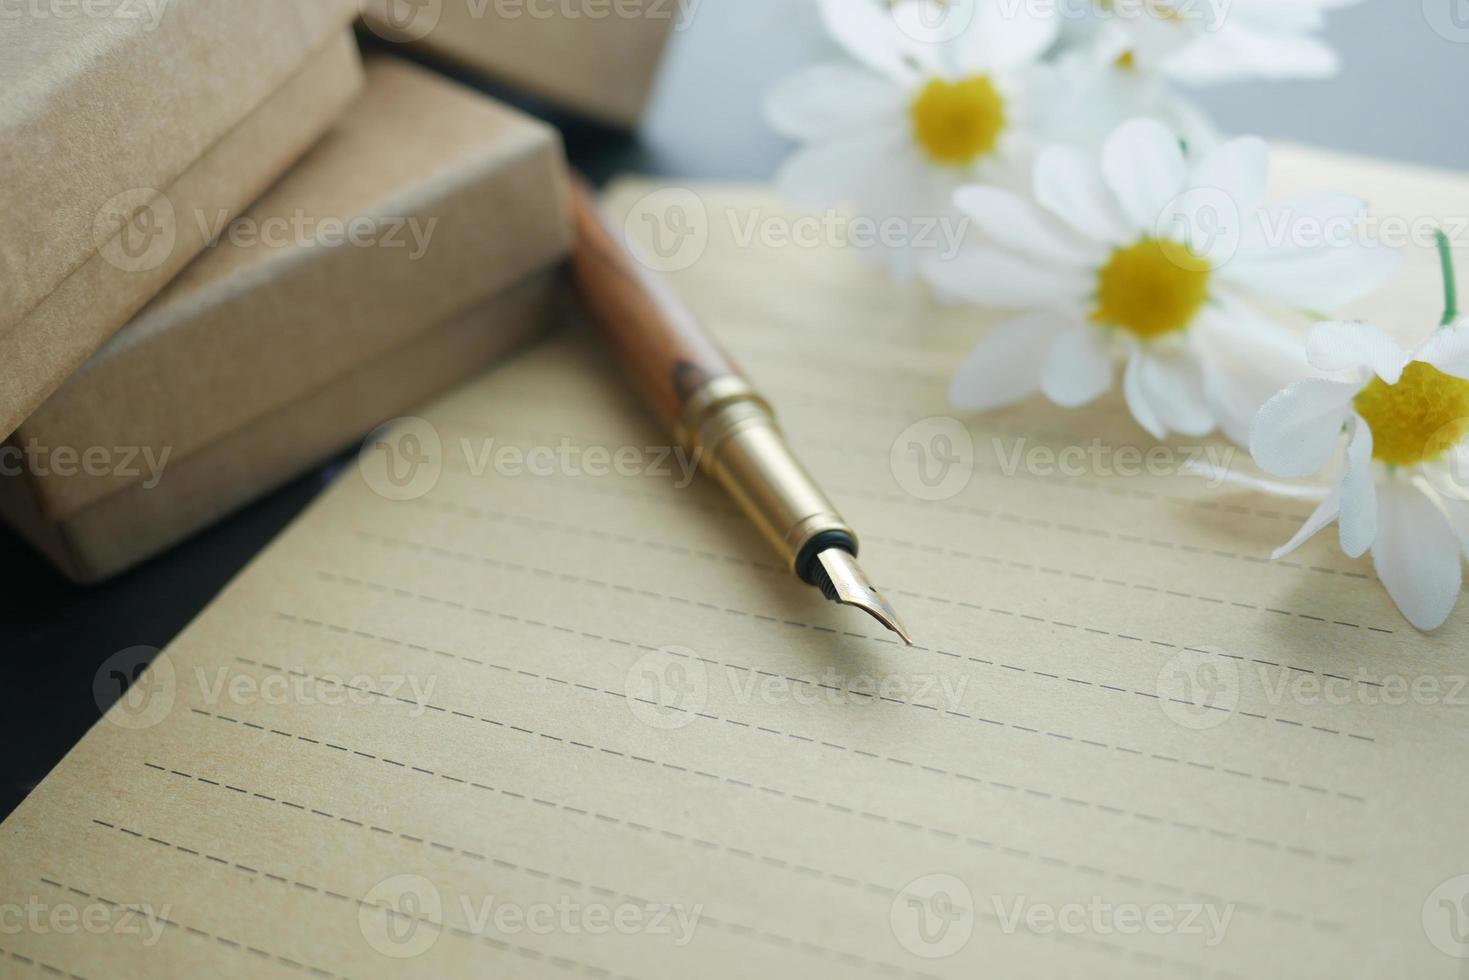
714,412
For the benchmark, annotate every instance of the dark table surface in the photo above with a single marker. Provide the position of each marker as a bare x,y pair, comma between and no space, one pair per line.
1400,86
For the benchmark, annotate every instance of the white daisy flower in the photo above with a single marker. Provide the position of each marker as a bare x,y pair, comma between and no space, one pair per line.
1135,36
1099,87
1401,490
1148,259
1211,41
935,93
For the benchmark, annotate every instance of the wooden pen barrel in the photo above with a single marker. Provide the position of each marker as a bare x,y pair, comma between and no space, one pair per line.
656,337
696,390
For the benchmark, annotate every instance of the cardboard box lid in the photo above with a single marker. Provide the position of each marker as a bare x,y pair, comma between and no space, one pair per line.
103,293
457,197
182,496
106,105
600,62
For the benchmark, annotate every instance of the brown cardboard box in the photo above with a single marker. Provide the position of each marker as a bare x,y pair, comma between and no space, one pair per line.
302,325
147,517
599,57
111,123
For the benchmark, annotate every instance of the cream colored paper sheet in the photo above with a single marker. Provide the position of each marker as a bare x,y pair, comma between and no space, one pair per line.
570,724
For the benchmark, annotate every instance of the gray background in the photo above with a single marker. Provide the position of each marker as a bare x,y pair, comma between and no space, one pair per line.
1403,91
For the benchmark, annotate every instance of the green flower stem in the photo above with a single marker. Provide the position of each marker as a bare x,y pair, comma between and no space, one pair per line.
1450,286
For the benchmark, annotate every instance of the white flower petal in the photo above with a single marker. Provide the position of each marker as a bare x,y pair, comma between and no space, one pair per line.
1143,164
1239,168
1003,37
1006,366
1015,223
1318,279
1417,555
1349,345
1447,350
868,33
1299,429
827,100
1070,186
1235,52
1458,515
1324,514
1173,386
1246,360
1299,222
1235,330
1079,369
1232,406
1455,479
998,279
1358,493
1137,399
838,172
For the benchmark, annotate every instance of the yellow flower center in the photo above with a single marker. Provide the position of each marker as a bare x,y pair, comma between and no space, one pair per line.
1418,419
1152,288
958,122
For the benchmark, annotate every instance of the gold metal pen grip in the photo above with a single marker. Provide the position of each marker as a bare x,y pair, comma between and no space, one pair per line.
734,433
697,391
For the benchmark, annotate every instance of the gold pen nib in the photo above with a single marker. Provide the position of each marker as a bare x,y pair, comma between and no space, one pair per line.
850,587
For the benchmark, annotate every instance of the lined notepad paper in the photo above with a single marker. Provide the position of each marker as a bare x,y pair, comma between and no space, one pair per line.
564,717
